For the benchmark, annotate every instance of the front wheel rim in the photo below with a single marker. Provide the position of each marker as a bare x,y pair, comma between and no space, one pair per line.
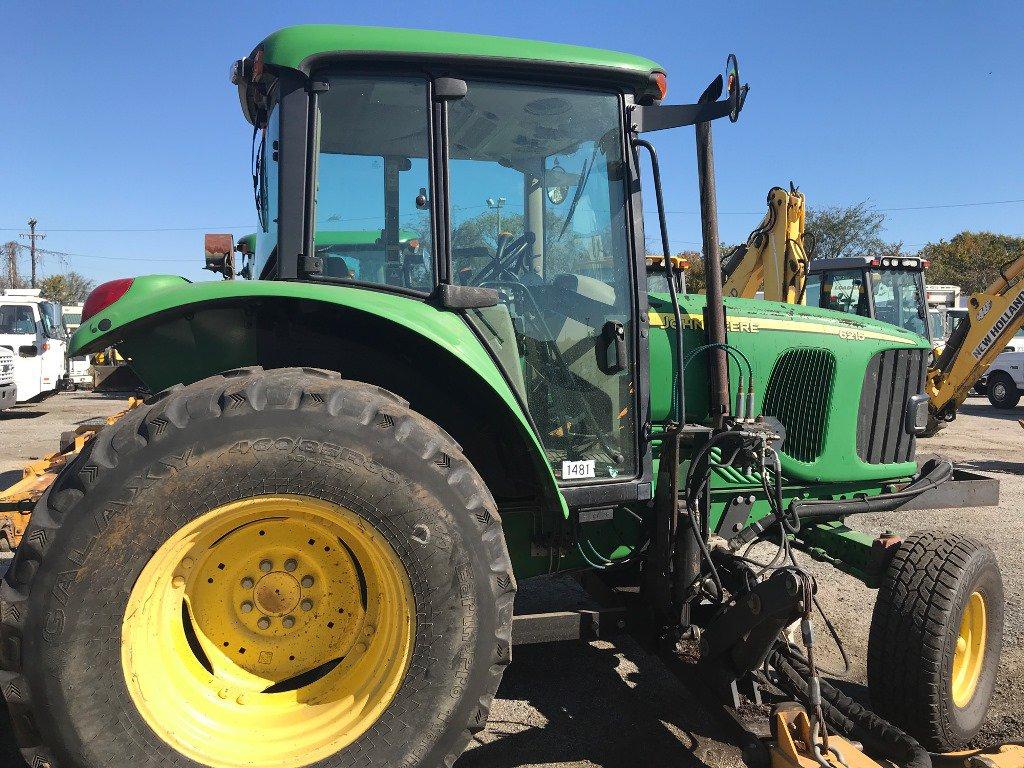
272,631
969,655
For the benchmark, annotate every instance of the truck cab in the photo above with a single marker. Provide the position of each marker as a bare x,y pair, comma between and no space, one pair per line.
33,329
886,288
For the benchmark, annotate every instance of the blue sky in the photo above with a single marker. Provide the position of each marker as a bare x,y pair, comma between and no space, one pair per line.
120,115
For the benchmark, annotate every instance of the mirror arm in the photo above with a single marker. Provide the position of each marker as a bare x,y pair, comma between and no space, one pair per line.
659,117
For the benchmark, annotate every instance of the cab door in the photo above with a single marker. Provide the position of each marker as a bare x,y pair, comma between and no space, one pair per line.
20,331
538,202
52,345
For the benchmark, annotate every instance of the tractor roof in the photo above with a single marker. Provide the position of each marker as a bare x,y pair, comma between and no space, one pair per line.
858,262
299,47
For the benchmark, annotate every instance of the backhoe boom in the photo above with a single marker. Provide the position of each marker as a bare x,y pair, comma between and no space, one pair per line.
774,254
993,317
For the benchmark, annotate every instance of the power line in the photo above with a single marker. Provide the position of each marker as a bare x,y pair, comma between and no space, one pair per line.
63,254
951,205
936,206
143,229
889,209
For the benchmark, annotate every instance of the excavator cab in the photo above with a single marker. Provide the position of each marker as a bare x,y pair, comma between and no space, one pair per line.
887,288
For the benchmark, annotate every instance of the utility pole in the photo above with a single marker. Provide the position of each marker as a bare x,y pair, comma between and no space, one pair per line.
32,235
496,206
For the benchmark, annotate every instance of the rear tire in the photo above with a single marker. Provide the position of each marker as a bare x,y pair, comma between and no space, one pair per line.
928,673
76,652
1002,392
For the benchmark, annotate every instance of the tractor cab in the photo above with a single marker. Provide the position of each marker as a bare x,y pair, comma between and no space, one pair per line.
890,289
500,183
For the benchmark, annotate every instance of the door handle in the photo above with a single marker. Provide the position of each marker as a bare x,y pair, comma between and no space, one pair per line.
611,354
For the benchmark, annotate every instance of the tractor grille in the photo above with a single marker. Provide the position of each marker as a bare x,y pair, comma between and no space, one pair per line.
6,370
798,394
892,377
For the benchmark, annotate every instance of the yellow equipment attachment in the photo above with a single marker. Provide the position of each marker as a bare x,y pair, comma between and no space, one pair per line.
679,263
791,746
774,254
993,317
17,502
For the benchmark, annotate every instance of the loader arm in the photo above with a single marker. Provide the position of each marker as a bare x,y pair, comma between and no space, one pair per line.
994,316
774,254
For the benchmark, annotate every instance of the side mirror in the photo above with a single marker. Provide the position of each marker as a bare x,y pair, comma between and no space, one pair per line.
220,254
736,93
29,350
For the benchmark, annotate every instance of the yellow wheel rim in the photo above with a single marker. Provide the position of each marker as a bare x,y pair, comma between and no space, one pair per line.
969,657
272,631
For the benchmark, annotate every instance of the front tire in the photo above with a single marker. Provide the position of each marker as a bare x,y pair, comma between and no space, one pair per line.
1002,392
264,568
935,639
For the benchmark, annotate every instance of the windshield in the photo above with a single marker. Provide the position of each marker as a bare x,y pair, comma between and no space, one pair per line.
936,324
841,290
537,191
900,299
17,319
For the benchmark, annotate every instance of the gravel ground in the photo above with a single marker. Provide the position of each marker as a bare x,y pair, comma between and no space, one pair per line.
572,705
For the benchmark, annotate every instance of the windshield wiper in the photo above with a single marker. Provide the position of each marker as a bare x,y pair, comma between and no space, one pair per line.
584,178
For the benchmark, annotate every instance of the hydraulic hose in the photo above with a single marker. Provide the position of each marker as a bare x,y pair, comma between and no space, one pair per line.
678,380
933,474
878,736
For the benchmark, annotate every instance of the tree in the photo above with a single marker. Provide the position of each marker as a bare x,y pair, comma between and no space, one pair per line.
970,259
67,288
9,277
851,230
695,279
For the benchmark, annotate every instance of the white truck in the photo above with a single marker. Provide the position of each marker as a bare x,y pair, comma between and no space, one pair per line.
33,329
79,370
1004,380
943,313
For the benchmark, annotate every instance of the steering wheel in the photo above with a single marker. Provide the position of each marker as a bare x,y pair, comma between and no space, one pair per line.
506,257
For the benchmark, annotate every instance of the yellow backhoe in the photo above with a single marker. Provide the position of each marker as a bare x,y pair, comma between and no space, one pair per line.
774,254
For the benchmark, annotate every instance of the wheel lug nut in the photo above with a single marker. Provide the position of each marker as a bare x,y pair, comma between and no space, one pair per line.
290,565
246,607
307,605
248,583
266,565
288,622
178,582
263,623
307,581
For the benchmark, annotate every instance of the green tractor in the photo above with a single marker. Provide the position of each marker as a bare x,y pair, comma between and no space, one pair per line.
304,549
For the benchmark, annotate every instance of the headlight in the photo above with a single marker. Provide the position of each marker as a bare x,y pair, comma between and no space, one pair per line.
917,414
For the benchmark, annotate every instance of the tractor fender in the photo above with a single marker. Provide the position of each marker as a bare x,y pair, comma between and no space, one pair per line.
175,331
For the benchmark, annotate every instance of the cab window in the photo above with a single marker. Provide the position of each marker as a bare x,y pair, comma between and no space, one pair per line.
17,319
373,221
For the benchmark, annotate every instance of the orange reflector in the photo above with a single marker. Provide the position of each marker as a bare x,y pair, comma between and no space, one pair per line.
662,81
